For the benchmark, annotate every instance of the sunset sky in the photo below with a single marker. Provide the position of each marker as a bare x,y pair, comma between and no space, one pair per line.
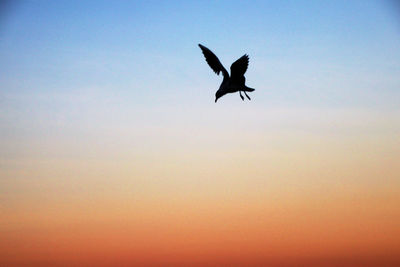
113,152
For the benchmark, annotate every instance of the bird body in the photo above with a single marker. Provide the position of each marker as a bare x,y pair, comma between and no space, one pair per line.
233,83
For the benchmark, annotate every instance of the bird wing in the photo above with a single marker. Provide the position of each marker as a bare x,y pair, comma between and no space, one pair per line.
239,67
213,61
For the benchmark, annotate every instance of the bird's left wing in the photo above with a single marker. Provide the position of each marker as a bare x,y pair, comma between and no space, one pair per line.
213,61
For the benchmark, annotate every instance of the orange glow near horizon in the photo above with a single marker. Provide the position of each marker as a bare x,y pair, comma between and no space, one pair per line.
310,213
212,231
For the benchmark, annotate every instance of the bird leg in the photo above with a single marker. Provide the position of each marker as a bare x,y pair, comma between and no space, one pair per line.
240,93
247,95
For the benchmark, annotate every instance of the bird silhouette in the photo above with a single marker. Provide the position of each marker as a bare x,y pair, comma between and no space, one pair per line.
230,84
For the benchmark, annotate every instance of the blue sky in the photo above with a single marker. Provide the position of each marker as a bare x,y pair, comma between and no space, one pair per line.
303,51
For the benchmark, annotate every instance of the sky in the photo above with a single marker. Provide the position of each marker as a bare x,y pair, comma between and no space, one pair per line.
113,152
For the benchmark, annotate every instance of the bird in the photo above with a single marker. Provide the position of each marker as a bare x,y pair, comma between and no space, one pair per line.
233,83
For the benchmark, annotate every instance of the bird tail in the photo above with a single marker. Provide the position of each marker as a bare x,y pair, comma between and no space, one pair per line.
248,89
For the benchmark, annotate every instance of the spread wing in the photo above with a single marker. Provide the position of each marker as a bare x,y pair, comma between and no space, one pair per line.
239,67
213,61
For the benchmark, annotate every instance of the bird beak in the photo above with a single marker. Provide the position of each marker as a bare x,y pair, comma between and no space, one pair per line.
216,100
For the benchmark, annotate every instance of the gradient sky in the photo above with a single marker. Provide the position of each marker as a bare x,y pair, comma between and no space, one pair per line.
112,150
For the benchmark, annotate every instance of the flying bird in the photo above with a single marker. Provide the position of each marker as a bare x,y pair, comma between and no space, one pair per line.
230,84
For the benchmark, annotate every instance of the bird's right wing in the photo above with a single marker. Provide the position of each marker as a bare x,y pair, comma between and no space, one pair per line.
239,67
213,61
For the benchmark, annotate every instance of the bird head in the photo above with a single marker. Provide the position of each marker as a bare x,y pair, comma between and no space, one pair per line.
218,94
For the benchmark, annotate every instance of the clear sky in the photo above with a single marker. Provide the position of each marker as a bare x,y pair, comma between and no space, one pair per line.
113,150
